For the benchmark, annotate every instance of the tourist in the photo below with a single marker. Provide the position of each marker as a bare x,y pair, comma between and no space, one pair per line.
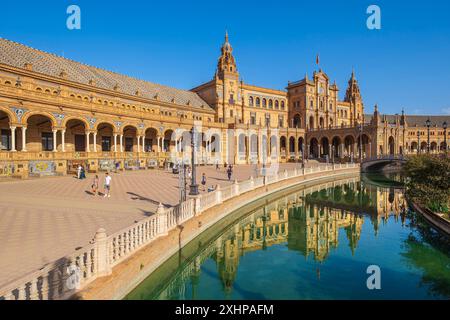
107,185
204,181
95,185
82,173
229,172
79,171
217,165
117,166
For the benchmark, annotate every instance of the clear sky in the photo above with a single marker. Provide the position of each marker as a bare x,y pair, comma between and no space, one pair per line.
406,64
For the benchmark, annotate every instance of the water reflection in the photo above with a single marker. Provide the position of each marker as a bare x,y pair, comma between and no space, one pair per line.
312,222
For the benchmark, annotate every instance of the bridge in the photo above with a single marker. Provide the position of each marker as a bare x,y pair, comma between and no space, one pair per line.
379,162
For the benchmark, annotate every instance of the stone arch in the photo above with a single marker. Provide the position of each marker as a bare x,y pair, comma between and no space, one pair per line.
71,118
5,128
311,122
12,118
335,147
30,114
349,146
39,134
325,146
75,135
297,121
105,136
391,145
291,145
130,133
433,146
314,148
300,143
100,122
283,145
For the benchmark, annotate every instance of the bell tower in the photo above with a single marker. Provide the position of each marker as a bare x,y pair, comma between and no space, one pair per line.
353,96
228,86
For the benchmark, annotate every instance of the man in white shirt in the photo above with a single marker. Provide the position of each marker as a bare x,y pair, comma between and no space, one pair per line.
107,185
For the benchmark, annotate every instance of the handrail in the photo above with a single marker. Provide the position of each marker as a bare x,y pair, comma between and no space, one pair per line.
64,277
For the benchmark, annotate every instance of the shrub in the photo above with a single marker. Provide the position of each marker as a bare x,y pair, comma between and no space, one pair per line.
428,181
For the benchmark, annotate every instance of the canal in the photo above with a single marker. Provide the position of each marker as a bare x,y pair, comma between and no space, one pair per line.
312,242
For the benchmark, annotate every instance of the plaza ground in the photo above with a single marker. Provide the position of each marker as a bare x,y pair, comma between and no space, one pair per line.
44,219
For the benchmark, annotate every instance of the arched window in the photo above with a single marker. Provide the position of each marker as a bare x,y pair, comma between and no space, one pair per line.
264,103
277,104
258,102
282,105
250,101
270,104
311,104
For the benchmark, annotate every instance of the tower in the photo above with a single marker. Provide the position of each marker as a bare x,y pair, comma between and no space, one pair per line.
353,96
229,106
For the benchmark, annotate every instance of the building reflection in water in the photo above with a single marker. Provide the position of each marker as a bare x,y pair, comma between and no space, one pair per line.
309,221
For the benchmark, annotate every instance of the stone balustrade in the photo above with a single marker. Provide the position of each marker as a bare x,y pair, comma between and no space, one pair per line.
64,277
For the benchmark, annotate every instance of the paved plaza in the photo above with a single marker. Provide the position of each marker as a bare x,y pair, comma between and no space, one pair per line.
44,219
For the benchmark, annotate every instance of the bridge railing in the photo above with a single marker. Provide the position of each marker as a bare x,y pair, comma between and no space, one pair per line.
66,276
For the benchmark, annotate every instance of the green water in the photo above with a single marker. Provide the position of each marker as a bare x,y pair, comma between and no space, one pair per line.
311,244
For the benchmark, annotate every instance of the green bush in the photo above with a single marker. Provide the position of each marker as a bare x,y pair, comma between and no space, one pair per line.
428,181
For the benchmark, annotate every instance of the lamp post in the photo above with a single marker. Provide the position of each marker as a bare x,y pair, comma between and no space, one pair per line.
360,142
194,186
428,124
418,141
444,125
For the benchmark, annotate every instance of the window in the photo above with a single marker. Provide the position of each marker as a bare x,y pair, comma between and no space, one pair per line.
311,104
250,101
5,143
231,113
106,144
47,141
280,121
277,104
270,104
231,101
264,103
253,118
258,102
282,105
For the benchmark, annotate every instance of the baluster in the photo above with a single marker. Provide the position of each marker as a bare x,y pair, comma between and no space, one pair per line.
22,293
45,287
34,290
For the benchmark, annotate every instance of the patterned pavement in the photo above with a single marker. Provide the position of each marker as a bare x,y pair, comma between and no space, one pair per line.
41,220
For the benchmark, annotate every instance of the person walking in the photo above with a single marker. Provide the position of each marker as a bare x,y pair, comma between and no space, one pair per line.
82,173
204,181
117,166
79,171
95,185
229,173
107,185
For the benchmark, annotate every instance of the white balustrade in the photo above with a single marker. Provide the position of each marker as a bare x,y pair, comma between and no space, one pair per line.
98,258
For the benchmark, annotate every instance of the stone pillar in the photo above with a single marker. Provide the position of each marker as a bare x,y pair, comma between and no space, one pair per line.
54,140
159,146
139,143
218,194
87,142
115,143
121,142
95,141
63,140
143,143
13,139
24,139
162,220
101,243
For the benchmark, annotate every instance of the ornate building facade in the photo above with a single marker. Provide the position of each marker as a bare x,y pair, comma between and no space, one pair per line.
56,114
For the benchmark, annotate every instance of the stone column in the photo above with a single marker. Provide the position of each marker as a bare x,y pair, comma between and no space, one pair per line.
13,139
95,141
159,147
143,143
139,143
24,139
115,143
87,142
101,243
54,140
63,140
121,142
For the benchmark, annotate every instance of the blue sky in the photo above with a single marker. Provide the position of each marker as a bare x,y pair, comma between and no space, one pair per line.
406,64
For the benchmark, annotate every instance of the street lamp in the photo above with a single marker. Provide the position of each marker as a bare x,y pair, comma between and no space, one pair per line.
418,141
444,125
360,142
428,123
194,186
